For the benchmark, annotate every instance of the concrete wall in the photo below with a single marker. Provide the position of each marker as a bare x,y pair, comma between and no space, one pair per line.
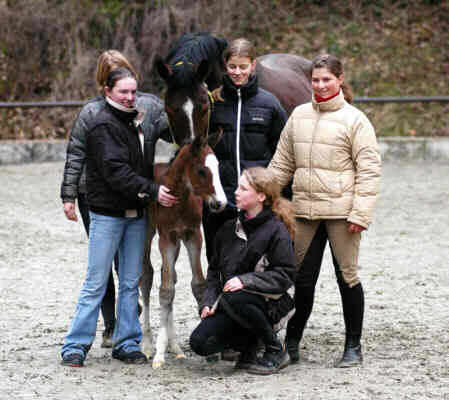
395,148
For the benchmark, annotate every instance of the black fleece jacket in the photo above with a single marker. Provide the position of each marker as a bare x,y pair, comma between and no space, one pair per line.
262,119
117,170
241,245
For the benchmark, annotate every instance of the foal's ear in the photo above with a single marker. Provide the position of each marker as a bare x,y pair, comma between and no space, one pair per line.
215,137
203,70
162,68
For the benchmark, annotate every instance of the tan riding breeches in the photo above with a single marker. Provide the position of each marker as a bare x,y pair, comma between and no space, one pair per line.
345,245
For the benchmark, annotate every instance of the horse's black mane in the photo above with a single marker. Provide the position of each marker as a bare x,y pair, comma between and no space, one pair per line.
189,51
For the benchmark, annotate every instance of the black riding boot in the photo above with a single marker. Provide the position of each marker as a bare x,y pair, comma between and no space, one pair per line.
353,310
352,356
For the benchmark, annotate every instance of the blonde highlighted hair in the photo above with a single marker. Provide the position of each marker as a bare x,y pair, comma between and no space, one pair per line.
263,181
108,61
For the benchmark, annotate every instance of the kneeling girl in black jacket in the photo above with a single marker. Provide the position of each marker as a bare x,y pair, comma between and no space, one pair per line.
253,265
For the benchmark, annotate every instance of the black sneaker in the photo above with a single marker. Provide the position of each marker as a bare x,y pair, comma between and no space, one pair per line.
73,360
272,361
131,357
247,359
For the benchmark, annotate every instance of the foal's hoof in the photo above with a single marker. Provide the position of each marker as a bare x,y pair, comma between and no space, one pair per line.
158,364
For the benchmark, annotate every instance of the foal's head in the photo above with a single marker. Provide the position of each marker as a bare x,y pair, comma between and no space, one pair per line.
199,167
187,101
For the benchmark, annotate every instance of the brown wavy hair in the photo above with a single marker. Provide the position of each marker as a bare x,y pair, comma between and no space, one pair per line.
263,181
335,67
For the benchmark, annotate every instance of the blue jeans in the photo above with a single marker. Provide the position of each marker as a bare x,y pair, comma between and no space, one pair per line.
107,235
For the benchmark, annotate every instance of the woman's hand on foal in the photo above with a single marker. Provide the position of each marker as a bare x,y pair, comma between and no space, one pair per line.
232,285
165,198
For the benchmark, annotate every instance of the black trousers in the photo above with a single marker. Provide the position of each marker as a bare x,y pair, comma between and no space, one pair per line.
352,298
108,303
221,330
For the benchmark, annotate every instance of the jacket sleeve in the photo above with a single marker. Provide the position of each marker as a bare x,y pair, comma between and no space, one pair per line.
113,163
278,123
279,273
283,164
156,117
76,153
367,161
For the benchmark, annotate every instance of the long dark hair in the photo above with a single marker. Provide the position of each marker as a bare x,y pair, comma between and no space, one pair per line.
335,67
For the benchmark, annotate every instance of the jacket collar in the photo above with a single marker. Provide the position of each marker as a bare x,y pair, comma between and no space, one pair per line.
247,90
334,104
126,117
244,226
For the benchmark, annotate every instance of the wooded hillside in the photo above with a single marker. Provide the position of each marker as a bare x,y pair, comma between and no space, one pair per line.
48,50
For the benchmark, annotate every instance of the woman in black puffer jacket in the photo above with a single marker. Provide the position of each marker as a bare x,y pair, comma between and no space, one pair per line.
73,186
251,119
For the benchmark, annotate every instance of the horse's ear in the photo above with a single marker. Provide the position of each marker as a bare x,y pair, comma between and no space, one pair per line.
215,137
203,70
162,68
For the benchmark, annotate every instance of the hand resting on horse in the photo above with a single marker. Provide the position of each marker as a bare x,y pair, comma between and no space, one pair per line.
164,197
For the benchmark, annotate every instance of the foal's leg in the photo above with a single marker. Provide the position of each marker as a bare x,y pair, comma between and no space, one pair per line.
169,252
198,283
146,283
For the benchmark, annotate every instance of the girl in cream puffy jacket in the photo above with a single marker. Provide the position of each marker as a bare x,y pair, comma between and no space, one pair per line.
329,148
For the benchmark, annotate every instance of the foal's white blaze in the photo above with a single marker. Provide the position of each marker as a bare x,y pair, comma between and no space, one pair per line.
188,109
220,197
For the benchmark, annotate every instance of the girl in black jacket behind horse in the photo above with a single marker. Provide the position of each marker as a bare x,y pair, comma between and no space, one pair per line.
251,119
253,261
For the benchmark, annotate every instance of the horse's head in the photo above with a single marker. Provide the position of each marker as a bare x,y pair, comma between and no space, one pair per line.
200,168
187,101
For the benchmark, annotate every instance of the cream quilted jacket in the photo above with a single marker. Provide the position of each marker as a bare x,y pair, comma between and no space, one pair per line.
330,150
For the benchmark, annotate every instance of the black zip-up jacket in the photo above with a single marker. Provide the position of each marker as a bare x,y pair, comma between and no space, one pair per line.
250,136
259,251
154,126
117,170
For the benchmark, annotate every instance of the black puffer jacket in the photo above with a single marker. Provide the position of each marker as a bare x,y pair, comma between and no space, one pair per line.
258,251
117,170
154,126
261,120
